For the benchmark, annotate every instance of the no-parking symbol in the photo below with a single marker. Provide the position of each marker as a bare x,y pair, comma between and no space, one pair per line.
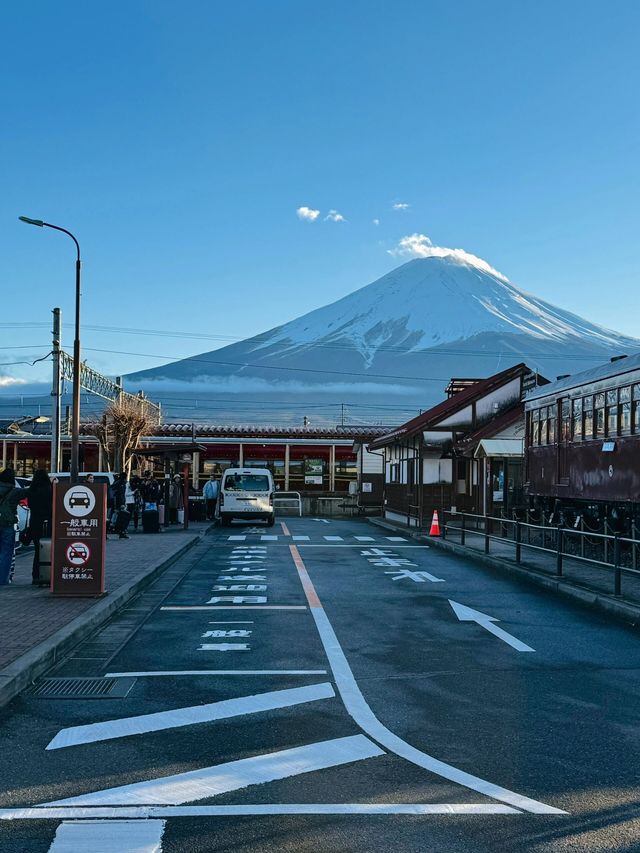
78,553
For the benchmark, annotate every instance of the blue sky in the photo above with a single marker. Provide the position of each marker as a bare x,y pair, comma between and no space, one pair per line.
178,140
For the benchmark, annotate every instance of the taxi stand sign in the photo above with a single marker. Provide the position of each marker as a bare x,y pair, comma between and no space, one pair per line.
78,539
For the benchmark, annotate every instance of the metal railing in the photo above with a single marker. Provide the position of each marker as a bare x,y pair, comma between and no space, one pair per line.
293,498
606,550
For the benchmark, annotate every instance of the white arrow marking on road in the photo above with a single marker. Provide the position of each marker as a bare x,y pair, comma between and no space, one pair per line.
466,614
418,577
323,520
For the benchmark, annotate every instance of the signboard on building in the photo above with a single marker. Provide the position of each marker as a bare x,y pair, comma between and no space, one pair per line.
78,539
313,472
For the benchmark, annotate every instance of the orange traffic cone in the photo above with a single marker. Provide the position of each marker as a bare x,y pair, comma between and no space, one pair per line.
435,524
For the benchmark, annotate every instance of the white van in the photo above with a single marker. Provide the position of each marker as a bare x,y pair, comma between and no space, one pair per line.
246,493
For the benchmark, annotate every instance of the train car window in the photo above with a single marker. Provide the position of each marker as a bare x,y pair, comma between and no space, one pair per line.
535,435
552,424
625,411
544,424
636,410
576,420
566,420
599,416
612,412
587,417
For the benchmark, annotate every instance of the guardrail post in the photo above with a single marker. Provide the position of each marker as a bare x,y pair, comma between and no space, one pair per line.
606,543
582,536
518,541
559,551
462,529
634,552
486,534
617,574
443,529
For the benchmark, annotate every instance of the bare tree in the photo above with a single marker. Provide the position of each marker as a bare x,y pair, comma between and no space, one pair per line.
119,431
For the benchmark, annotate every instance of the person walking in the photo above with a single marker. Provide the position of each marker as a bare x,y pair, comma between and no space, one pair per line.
40,503
176,499
210,494
121,516
9,498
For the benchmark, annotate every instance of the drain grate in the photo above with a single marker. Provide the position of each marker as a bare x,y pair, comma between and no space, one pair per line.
82,688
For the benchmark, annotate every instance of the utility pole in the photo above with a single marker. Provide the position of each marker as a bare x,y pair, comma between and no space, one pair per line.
55,392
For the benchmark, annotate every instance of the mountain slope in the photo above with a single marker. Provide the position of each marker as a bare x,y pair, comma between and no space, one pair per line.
404,335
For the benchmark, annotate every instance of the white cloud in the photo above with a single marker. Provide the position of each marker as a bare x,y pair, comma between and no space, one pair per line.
307,214
376,221
400,205
5,381
334,216
420,246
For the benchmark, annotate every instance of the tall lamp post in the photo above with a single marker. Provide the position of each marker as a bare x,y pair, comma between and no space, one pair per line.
75,417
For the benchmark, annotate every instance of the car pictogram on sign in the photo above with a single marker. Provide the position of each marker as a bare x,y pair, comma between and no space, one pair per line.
79,499
78,553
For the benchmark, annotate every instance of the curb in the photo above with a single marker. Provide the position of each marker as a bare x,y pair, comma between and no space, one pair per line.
608,604
25,669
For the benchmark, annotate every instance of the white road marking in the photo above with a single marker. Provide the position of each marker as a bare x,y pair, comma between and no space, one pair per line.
144,723
300,538
223,647
233,775
416,577
269,538
109,836
172,672
357,707
231,623
467,614
182,607
142,812
323,520
364,538
333,538
236,538
395,538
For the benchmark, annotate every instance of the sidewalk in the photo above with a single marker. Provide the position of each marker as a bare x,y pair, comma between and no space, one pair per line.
590,583
37,628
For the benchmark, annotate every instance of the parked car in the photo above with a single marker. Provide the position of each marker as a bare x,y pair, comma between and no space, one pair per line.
246,493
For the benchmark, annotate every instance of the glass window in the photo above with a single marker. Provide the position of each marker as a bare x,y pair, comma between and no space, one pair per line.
599,415
587,417
636,410
625,410
552,424
543,424
576,421
535,435
612,412
566,421
246,483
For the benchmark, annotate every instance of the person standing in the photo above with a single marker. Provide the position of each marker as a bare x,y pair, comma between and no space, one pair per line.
121,517
9,497
176,499
210,494
40,503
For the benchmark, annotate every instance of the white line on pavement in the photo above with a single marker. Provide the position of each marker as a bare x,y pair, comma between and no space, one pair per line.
143,674
233,775
236,538
143,723
364,538
109,836
79,812
269,538
333,538
357,707
300,538
395,538
178,607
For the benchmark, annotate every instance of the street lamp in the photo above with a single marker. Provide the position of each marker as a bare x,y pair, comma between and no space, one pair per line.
75,417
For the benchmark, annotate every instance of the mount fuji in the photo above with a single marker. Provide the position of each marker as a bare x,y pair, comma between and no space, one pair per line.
390,347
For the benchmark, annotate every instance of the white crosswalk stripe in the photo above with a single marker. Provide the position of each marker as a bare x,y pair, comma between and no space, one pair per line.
236,538
109,836
364,538
269,538
395,539
301,538
333,538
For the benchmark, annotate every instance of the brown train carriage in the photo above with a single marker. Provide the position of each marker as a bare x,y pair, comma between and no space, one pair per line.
582,447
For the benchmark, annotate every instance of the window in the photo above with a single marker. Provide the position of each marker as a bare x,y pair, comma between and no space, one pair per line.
599,416
576,420
566,421
246,483
625,411
552,424
636,409
394,472
587,417
612,412
544,424
535,433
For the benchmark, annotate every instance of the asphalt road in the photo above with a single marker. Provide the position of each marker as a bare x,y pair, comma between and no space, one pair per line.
313,689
